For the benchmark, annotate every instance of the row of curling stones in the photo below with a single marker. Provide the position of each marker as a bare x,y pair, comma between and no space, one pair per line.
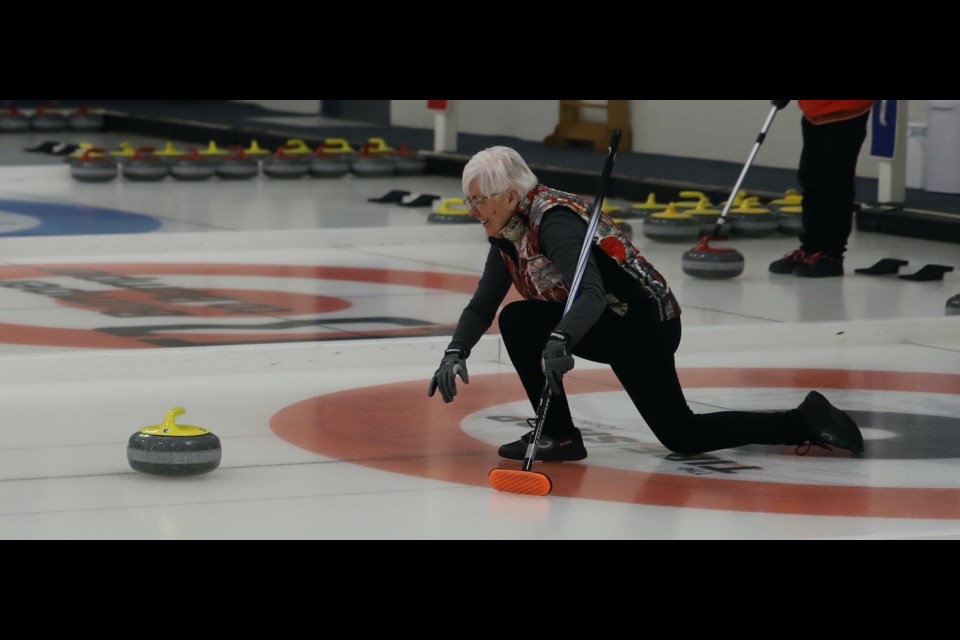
93,164
147,164
48,118
294,160
645,209
788,210
748,220
376,158
336,157
454,211
171,449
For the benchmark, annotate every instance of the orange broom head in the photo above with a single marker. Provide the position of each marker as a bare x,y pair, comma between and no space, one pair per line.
525,483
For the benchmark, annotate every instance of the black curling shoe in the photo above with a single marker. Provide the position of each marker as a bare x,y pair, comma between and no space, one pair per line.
828,426
568,448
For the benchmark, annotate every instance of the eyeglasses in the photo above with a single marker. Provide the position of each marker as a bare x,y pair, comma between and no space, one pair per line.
474,203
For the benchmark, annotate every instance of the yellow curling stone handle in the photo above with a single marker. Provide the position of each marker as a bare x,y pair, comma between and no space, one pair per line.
170,428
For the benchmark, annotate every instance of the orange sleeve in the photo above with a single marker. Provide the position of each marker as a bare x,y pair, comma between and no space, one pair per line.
824,111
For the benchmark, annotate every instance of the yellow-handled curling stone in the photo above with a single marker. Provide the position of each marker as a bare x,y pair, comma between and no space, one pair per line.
789,209
671,226
213,152
124,154
645,209
169,154
751,220
172,449
737,200
693,199
707,217
790,220
256,151
791,198
452,211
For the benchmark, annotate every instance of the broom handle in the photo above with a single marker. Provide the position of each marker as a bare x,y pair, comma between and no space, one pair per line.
743,174
575,287
594,219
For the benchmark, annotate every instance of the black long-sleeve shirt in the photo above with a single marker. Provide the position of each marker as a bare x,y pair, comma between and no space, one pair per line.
562,233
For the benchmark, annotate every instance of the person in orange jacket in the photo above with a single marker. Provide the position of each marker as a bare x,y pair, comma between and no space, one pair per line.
833,134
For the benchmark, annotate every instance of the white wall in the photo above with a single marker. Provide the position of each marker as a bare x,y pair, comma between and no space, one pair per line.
523,119
715,130
723,130
918,111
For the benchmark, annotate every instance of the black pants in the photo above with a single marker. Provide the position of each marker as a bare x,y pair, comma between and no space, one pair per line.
641,355
828,168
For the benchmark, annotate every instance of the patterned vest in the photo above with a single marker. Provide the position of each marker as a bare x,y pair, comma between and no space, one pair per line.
536,278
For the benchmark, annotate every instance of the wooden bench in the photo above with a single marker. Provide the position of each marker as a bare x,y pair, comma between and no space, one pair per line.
573,128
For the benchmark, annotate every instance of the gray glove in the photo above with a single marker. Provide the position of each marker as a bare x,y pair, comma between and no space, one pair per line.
557,360
453,364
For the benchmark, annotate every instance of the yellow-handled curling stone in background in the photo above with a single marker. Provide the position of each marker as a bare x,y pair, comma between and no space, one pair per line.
172,449
671,226
751,220
452,211
644,210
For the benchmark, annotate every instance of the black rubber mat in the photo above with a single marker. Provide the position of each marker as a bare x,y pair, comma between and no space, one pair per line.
929,272
424,200
885,267
393,196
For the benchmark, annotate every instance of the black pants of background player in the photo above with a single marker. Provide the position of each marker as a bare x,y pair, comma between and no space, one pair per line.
828,166
641,355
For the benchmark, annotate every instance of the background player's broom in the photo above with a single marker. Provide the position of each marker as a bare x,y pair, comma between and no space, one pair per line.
704,261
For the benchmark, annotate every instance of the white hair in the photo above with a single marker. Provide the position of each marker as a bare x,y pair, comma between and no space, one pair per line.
498,169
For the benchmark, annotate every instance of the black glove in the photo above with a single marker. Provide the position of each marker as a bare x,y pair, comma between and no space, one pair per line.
557,360
779,104
453,364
